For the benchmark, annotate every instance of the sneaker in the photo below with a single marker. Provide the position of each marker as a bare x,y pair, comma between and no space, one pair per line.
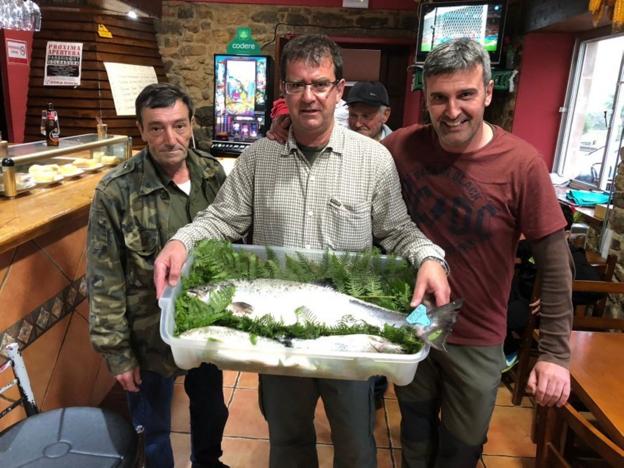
511,360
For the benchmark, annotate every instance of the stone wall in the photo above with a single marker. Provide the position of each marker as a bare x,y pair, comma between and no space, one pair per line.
190,33
616,222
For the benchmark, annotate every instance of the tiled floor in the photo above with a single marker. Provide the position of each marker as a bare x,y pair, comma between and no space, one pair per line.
246,444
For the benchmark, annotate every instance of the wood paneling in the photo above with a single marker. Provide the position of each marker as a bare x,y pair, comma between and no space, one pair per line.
133,42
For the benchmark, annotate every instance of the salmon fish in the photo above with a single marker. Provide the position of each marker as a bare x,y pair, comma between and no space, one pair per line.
358,343
293,302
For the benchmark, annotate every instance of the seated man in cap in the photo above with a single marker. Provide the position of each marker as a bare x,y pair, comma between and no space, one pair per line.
369,109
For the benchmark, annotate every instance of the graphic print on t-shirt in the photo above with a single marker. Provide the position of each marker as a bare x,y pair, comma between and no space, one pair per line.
467,215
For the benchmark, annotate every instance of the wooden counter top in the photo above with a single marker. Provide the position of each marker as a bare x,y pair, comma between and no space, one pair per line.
33,213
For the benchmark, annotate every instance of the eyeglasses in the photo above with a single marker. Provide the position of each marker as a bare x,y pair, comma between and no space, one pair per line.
317,87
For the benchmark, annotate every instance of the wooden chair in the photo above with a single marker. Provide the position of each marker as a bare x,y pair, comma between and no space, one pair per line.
75,436
572,435
527,353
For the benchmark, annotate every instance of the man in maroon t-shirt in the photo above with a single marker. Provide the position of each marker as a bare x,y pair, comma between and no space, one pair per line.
474,189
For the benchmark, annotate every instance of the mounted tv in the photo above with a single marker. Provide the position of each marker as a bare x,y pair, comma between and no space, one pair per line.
481,20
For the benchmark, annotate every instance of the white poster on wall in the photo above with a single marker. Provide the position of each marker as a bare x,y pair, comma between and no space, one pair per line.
126,82
62,64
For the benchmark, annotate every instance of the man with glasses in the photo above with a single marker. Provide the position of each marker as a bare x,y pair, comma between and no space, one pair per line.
325,188
367,111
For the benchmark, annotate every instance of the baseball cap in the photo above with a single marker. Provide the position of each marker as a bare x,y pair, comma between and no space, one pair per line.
372,93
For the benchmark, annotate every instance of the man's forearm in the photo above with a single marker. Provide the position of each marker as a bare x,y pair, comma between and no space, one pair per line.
553,258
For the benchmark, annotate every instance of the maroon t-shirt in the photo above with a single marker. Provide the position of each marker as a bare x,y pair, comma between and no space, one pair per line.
475,206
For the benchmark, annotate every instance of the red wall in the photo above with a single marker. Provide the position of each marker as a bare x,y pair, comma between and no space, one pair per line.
372,4
546,61
15,84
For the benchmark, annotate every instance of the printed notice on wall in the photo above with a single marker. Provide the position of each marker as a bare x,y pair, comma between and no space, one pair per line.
62,64
126,82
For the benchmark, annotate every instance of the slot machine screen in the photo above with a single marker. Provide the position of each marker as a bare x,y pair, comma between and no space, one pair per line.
241,100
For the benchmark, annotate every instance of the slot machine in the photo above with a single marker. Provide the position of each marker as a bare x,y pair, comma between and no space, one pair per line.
242,102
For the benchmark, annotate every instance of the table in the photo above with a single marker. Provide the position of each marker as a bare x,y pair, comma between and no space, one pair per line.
597,376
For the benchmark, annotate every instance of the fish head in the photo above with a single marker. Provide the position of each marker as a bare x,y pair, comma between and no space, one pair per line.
203,292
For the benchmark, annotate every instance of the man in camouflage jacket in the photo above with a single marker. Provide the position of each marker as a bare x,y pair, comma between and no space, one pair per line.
136,208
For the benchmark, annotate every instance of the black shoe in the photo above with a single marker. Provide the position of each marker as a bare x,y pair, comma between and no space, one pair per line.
218,464
379,401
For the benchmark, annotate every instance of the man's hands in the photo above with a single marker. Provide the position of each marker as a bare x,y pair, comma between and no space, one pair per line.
168,265
130,380
279,129
550,383
431,279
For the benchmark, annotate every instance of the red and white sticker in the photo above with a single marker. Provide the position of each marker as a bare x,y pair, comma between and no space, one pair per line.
17,51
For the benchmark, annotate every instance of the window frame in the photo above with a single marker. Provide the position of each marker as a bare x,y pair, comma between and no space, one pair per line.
567,110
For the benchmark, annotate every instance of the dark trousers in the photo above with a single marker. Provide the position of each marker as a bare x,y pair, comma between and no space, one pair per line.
446,410
288,404
151,408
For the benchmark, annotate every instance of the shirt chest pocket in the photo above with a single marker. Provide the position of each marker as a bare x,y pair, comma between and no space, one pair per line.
142,246
347,226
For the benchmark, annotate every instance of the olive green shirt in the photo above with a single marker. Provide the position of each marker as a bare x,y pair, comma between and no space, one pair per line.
134,211
183,207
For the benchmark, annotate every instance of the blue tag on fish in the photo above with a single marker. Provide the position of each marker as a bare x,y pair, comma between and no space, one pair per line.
419,317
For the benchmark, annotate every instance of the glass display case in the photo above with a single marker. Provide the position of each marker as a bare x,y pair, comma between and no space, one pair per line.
30,165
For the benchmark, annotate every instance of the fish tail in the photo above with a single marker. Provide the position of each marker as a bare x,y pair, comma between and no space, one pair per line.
442,321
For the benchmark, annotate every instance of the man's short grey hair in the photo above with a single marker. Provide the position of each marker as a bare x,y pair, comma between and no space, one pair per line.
456,55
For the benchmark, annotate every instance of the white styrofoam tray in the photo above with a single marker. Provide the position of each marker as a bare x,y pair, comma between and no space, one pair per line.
189,353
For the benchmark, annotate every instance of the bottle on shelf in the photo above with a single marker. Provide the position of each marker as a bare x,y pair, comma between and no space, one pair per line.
52,128
44,119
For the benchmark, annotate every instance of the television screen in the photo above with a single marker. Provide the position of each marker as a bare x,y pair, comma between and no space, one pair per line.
441,22
241,96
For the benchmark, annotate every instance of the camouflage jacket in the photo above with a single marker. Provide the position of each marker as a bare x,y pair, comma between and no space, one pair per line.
127,228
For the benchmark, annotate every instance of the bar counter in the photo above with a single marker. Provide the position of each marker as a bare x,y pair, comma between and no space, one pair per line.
43,292
42,210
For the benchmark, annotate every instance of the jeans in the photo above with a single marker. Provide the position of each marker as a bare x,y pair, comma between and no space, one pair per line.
151,408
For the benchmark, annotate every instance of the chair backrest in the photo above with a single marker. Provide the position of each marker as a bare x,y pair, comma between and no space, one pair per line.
560,454
597,321
20,380
606,269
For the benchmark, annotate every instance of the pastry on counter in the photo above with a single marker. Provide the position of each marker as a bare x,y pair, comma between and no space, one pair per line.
23,182
69,170
45,173
110,160
85,163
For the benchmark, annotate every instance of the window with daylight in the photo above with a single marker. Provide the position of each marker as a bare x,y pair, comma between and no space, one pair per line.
591,136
